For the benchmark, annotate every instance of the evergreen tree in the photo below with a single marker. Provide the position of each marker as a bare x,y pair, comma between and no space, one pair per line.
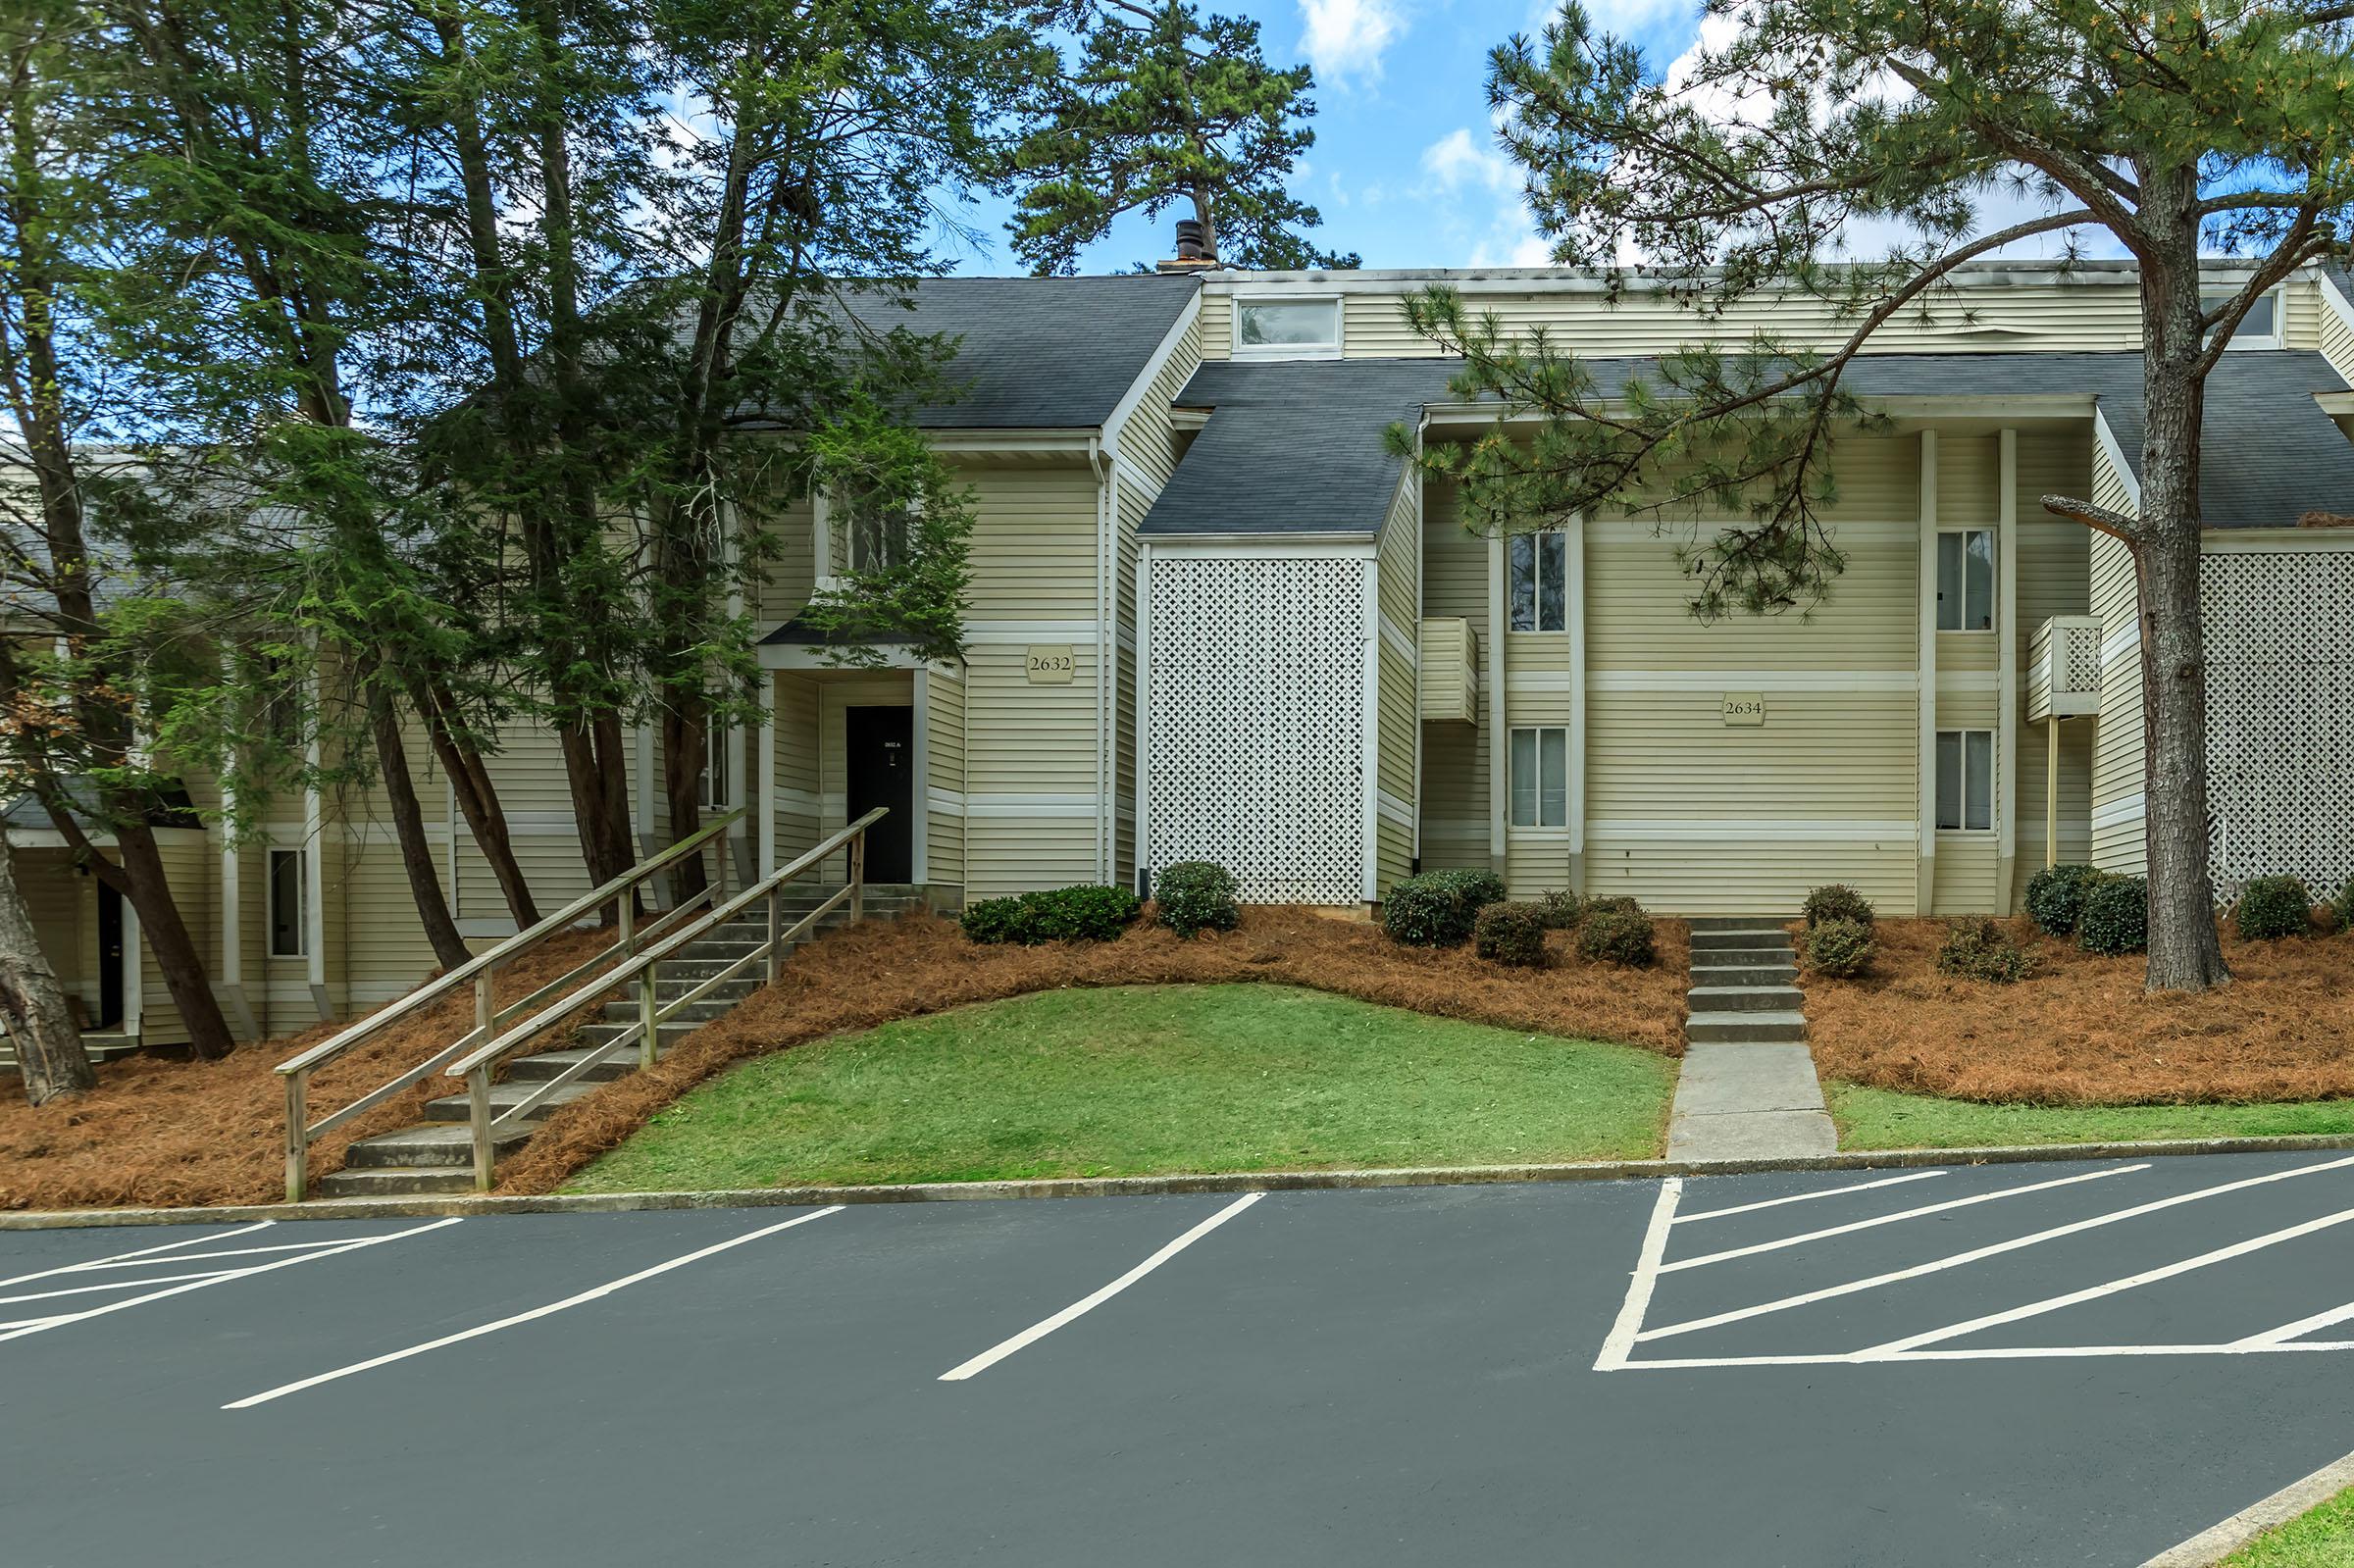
1166,108
2176,133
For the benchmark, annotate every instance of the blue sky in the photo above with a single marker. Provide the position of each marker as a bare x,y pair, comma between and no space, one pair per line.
1405,168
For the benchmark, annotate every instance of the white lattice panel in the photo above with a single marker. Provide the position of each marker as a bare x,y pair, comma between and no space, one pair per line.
2280,717
1255,723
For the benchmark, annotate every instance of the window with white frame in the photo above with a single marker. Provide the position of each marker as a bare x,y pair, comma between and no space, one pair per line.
1538,572
1287,328
719,776
1541,776
290,900
878,538
1965,780
1965,579
2260,328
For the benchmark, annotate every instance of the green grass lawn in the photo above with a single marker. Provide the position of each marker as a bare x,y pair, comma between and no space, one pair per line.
1148,1080
2321,1539
1871,1118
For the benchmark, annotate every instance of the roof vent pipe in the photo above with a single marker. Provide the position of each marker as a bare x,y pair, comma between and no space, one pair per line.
1189,240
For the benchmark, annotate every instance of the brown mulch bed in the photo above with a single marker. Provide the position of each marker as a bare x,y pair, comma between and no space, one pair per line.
170,1133
2080,1030
860,978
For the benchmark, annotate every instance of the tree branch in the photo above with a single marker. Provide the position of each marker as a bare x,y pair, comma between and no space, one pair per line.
2098,518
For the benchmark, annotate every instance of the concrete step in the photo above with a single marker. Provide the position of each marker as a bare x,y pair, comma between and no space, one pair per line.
600,1034
1746,940
551,1064
436,1145
1732,1028
718,1005
1766,970
1700,999
394,1181
453,1107
1712,923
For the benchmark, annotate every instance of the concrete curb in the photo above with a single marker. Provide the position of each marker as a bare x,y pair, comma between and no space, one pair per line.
1150,1185
2210,1546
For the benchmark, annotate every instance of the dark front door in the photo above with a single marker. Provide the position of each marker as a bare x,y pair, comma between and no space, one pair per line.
109,959
881,742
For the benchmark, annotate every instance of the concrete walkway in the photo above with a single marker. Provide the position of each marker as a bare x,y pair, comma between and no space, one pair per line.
1748,1089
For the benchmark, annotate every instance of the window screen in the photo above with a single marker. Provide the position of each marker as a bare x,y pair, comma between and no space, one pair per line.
1539,569
1965,579
1541,777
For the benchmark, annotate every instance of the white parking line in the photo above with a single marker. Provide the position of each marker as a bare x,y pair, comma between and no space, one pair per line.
110,1285
1088,1304
1621,1340
1804,1197
2297,1330
549,1310
2094,1293
1729,1253
120,1257
1851,1286
329,1250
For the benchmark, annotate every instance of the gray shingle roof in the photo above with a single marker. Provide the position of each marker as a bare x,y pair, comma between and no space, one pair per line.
1038,353
1296,447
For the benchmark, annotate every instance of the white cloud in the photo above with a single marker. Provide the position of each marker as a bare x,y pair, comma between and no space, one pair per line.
1470,194
1455,159
1344,38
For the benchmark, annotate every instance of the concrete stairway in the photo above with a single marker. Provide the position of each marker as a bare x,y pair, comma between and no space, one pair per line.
1748,1088
438,1154
103,1045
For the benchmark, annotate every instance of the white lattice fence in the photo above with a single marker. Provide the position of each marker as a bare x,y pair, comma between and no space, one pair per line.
1257,704
2280,715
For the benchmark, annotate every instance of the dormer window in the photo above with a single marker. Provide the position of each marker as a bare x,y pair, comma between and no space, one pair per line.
1287,328
2260,328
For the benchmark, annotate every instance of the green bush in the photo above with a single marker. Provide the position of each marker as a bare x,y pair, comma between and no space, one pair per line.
1839,948
2056,896
993,920
1839,902
2274,907
2117,917
1616,936
1609,904
1195,896
1563,910
1437,908
1980,949
1511,935
1061,914
2343,908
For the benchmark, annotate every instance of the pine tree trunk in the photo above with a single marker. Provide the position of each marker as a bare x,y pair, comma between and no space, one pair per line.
40,1021
2185,951
478,802
684,739
409,826
144,883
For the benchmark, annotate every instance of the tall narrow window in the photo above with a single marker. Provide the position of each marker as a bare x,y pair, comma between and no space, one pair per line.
1965,780
1541,777
719,791
878,538
289,895
1965,579
1539,578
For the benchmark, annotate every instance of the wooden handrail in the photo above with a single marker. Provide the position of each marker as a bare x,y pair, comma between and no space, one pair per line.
645,969
478,971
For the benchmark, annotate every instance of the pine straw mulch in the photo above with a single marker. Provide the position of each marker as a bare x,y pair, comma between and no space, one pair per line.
174,1132
2081,1031
870,974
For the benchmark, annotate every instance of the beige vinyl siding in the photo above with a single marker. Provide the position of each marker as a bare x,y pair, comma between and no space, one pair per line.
944,779
2117,842
1455,756
1965,878
795,778
1692,815
1217,318
2301,310
377,945
1030,750
2334,335
1147,456
189,870
787,577
1397,704
64,906
2054,579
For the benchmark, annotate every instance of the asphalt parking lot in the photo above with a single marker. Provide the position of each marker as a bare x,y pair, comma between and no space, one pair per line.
2026,1364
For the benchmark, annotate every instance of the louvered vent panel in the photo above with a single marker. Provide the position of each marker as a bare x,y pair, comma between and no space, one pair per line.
1255,732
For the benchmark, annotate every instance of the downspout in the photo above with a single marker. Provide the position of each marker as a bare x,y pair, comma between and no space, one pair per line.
1103,464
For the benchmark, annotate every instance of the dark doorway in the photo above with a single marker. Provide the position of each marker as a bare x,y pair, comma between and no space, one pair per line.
881,747
110,959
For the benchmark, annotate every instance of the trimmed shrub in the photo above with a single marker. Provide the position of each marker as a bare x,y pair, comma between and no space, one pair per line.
1839,948
1839,902
1563,910
1061,914
1511,935
2343,908
1611,903
2056,896
2117,917
1980,949
2274,907
993,920
1195,896
1616,936
1437,908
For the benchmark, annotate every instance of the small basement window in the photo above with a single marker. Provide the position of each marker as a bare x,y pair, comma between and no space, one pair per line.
290,893
1541,777
1965,780
1538,572
2260,328
1287,328
1965,579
